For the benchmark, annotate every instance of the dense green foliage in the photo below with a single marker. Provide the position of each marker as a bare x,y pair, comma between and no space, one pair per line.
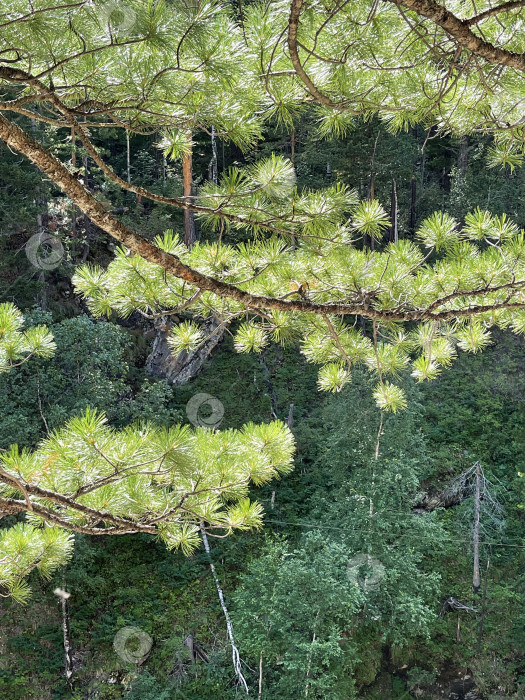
319,521
348,574
292,582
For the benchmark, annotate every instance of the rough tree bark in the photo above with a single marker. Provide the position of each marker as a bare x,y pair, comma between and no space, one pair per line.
189,217
179,369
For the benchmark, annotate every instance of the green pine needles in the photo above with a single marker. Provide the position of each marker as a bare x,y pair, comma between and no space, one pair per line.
92,479
423,300
317,268
17,345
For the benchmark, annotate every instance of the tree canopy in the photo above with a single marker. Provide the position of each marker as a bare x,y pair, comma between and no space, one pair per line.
322,268
312,263
89,478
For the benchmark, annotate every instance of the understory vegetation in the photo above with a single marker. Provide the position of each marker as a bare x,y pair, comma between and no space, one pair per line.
293,603
262,343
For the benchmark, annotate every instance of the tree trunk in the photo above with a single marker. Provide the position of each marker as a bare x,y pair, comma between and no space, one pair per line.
68,647
74,166
42,292
483,608
393,213
229,627
128,158
413,205
371,186
476,578
463,156
309,666
260,674
189,218
212,168
85,162
269,385
179,369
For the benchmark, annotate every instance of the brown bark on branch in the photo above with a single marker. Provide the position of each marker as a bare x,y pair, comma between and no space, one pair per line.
496,10
461,32
293,26
50,165
21,77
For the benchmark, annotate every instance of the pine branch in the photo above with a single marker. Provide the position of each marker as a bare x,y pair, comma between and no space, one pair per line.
461,32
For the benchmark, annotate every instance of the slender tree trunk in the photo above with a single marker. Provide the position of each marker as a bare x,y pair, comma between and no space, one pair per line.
212,169
76,211
275,407
393,213
85,160
269,385
74,166
371,182
42,293
309,666
289,423
229,627
189,219
476,578
87,183
260,674
372,490
66,631
413,205
128,158
463,157
483,607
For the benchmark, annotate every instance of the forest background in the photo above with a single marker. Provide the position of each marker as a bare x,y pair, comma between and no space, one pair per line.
303,625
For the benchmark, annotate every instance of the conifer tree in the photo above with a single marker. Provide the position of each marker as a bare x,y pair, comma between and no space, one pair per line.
89,478
167,68
307,272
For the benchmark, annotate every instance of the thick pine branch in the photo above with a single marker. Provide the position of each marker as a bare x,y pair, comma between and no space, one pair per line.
15,137
461,32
